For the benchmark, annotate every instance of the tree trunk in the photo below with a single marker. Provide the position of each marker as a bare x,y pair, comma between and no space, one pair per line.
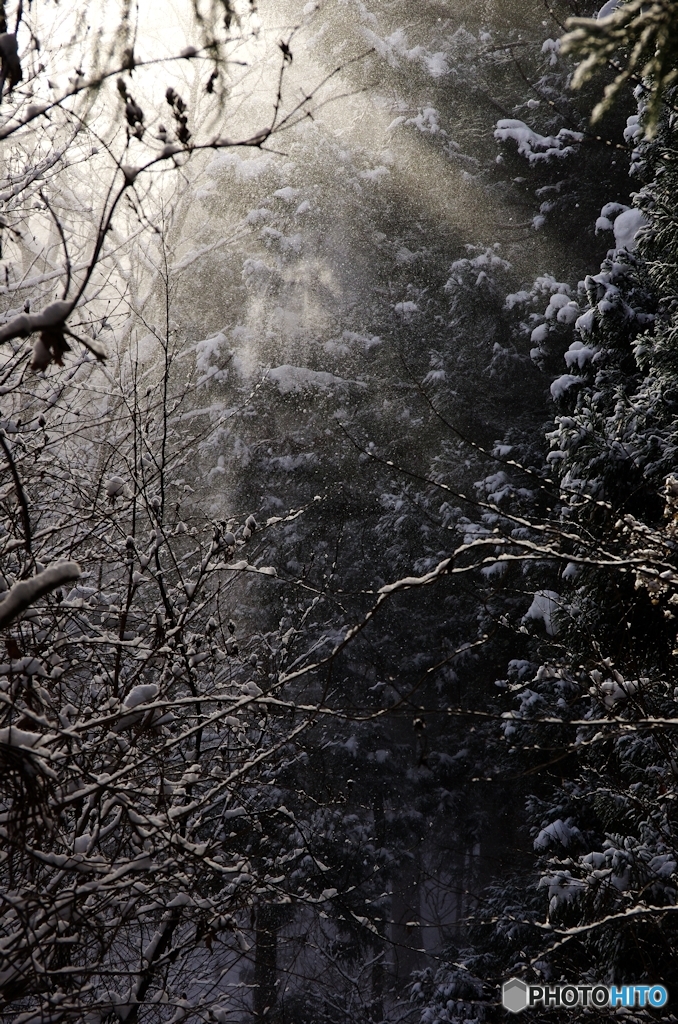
265,965
378,945
405,914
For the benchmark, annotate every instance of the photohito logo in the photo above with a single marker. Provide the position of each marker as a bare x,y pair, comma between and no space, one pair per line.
516,995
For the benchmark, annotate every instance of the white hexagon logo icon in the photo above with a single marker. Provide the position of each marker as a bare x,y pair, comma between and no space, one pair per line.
514,995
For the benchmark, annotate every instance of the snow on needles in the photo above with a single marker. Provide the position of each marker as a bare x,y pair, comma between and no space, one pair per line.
562,384
626,223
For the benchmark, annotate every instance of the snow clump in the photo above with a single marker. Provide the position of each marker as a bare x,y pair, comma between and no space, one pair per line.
537,148
545,606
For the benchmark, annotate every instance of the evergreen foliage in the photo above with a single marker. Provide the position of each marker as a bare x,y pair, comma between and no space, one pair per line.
595,720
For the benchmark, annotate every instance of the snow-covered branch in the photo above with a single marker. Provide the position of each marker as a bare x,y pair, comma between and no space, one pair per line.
22,595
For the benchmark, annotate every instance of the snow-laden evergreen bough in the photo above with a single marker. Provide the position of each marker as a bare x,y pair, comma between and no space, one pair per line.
590,733
608,842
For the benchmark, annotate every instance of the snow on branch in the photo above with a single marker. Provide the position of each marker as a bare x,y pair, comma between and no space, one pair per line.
51,344
537,148
25,324
25,593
